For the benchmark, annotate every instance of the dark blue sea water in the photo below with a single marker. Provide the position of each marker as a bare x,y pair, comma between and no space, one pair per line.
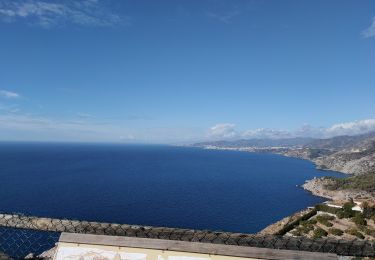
153,185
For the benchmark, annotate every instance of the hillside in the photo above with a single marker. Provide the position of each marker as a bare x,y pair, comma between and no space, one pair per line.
355,156
242,143
347,154
340,142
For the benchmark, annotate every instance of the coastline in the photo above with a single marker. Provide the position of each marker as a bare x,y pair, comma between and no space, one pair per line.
316,186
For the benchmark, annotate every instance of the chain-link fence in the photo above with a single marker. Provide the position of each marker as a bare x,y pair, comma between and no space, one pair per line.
17,243
24,235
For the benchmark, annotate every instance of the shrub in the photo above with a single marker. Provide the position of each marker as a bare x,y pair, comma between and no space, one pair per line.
305,229
369,232
319,232
325,217
364,182
348,205
336,231
341,214
312,221
325,208
368,212
324,220
296,233
290,226
359,220
354,232
347,212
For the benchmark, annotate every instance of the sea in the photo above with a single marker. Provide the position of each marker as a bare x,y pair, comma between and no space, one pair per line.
154,185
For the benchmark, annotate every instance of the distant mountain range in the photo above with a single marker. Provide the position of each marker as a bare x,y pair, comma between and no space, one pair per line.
347,154
340,142
287,142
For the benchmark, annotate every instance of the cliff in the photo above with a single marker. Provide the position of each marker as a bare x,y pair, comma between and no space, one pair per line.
346,154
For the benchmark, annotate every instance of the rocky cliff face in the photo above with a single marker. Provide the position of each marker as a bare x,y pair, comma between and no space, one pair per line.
355,157
318,187
347,154
347,162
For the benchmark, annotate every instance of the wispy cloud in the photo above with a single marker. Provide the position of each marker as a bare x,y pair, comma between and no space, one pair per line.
33,127
227,11
85,115
43,128
56,13
229,131
9,94
370,31
225,17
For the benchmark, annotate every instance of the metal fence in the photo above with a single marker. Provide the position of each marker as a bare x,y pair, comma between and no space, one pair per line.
17,243
24,235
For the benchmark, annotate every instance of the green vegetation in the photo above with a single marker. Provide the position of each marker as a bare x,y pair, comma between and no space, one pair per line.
348,205
355,232
290,226
301,230
335,231
346,212
314,153
368,212
296,233
368,231
365,182
311,221
325,208
359,220
324,220
306,227
319,232
324,217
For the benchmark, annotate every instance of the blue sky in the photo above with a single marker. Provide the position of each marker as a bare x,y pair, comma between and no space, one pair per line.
182,70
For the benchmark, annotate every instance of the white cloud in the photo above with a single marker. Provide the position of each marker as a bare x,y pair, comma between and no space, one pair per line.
228,131
351,128
266,133
53,13
370,31
9,94
224,131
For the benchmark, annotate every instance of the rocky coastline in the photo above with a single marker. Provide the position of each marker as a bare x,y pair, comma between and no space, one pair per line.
348,162
351,155
317,187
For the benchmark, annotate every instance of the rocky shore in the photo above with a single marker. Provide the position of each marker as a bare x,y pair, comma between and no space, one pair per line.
317,187
353,155
348,162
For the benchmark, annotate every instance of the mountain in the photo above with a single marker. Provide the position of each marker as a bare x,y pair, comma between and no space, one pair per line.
340,142
347,154
287,142
354,157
